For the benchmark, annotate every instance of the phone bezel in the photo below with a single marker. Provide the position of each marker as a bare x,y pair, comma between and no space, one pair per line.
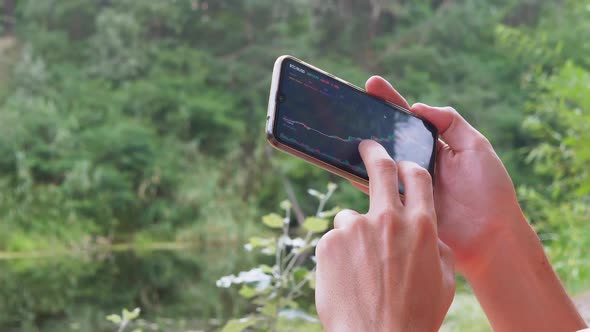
271,119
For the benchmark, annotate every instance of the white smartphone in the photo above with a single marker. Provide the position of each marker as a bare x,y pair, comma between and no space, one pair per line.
322,119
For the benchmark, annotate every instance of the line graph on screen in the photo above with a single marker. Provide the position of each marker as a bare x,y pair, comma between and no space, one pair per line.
348,139
358,168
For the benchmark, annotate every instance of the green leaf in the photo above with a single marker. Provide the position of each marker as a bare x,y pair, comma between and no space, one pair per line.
266,269
330,213
312,281
286,205
288,303
300,274
257,242
114,318
315,225
248,292
269,309
260,301
238,325
273,220
131,315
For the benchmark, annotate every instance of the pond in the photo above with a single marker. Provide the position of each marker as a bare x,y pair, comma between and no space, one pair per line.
172,284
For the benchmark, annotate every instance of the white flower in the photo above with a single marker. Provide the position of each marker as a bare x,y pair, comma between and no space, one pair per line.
225,281
268,251
332,186
293,314
295,243
298,242
255,275
313,192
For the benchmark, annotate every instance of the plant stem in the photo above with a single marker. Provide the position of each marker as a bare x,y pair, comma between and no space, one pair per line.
280,243
123,326
281,271
298,286
323,202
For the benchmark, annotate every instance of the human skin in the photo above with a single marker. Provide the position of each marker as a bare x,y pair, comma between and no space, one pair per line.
480,219
385,270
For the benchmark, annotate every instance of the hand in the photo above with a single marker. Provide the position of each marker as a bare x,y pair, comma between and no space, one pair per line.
480,219
474,196
386,270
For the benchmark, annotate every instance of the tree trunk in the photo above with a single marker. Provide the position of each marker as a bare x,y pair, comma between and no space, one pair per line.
7,17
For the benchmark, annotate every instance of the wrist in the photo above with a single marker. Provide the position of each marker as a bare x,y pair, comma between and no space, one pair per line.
509,245
516,285
354,322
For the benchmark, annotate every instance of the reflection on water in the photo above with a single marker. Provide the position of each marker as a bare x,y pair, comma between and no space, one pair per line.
75,293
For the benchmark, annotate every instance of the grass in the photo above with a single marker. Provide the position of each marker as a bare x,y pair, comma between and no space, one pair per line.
465,314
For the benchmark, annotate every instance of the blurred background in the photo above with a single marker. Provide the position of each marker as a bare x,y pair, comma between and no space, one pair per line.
133,165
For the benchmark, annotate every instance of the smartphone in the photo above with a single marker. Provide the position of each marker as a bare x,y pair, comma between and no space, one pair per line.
322,119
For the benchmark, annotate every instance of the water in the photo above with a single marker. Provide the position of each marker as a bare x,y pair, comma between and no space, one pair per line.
74,292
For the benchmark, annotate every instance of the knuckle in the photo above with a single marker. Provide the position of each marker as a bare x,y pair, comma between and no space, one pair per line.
325,245
481,142
346,214
389,218
385,165
353,229
386,215
424,224
421,216
361,219
454,114
415,171
345,218
450,109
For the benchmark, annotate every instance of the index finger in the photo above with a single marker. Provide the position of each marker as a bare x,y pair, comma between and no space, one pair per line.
382,170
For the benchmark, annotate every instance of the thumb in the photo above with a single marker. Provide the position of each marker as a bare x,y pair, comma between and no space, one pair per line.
379,87
452,127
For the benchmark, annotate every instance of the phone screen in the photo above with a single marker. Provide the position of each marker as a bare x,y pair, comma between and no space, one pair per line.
328,119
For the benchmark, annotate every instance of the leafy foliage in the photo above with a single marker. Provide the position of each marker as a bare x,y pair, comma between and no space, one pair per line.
556,80
124,319
277,291
141,122
561,121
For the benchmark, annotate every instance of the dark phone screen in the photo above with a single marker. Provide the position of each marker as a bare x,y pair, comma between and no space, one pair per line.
328,119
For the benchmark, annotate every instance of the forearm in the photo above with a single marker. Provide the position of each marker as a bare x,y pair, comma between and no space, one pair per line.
517,287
